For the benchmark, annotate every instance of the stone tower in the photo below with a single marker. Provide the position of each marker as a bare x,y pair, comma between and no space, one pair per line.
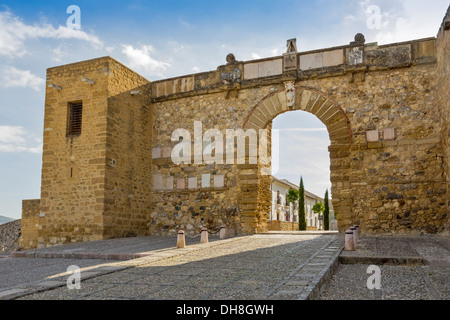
96,166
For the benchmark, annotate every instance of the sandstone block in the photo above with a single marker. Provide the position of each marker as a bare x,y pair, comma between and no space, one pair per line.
192,183
311,61
156,153
372,136
270,68
206,180
333,58
219,181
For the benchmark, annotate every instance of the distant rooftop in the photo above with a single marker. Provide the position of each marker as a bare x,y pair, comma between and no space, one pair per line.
294,186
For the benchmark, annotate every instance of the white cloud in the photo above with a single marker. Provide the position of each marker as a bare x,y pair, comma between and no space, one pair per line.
13,77
10,134
16,139
57,54
260,53
110,49
419,20
177,46
398,20
14,33
141,60
275,52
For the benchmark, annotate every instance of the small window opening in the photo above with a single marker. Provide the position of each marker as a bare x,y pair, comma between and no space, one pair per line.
75,118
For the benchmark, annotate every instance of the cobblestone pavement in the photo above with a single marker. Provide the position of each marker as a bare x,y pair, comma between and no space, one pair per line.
260,267
412,268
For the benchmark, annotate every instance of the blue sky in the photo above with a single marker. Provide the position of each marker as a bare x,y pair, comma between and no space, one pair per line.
162,39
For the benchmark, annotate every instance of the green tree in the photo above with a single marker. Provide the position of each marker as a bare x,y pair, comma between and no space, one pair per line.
292,196
301,207
318,208
326,213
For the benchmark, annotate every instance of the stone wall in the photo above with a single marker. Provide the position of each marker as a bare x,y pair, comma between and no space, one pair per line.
188,196
73,170
283,226
9,236
385,107
443,49
128,154
386,152
30,223
87,181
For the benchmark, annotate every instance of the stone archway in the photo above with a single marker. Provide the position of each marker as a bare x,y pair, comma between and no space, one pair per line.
311,100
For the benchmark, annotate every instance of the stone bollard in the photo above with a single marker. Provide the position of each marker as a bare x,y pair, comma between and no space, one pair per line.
181,242
204,236
222,232
356,233
349,244
353,230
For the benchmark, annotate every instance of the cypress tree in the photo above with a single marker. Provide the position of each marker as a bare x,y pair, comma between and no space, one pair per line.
326,213
301,207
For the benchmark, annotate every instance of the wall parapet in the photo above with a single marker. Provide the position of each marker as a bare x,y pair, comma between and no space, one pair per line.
321,63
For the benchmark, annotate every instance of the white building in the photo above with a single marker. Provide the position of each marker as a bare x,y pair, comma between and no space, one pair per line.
282,211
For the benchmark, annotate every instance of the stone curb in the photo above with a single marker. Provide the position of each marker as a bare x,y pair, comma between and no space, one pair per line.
314,289
45,285
320,277
109,256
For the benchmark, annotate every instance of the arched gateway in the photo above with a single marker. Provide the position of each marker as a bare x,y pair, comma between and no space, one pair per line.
296,97
110,137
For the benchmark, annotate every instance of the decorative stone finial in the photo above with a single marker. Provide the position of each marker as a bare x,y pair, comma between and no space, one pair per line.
291,46
231,59
360,40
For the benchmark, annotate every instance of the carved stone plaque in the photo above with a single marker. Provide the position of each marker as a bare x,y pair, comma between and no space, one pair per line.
355,56
290,62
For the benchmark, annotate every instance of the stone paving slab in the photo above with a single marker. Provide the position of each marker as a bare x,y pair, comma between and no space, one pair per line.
261,267
412,268
399,250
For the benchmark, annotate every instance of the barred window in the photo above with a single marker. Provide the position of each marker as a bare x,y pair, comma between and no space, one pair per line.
75,118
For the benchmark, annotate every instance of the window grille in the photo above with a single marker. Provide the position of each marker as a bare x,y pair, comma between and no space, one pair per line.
75,118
